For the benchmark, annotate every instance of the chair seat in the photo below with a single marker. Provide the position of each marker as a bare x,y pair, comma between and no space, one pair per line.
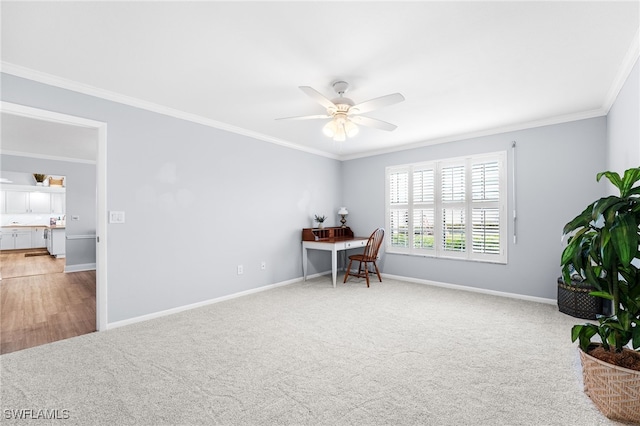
361,258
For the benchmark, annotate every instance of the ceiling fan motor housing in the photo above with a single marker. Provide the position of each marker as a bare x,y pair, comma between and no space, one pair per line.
340,87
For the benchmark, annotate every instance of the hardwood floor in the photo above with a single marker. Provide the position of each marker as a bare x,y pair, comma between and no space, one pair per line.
44,304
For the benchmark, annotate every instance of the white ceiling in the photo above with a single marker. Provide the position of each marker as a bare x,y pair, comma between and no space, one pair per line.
465,68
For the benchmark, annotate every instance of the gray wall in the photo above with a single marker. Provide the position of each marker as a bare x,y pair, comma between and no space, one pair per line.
624,126
555,179
198,202
80,183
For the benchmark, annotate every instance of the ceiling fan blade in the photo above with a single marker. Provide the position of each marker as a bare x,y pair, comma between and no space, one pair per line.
305,117
319,97
372,122
376,103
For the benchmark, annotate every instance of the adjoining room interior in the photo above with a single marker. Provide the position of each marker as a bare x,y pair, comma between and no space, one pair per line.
48,266
235,136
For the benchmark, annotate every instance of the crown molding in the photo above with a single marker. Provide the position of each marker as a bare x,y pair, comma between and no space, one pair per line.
487,132
52,80
630,59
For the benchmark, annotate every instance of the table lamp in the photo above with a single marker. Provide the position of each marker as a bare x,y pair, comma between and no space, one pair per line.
343,212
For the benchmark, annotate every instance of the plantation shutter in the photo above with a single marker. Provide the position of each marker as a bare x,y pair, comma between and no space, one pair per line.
454,208
485,208
398,194
453,178
424,208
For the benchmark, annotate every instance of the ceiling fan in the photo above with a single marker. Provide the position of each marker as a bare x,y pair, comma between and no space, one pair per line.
345,114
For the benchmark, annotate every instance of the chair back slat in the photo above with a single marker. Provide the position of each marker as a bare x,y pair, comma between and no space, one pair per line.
373,244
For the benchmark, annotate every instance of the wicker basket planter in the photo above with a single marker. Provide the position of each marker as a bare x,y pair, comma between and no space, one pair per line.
575,300
614,390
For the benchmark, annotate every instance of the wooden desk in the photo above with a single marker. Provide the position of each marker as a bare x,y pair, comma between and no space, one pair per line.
329,239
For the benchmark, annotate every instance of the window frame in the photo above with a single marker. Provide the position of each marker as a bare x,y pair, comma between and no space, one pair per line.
467,206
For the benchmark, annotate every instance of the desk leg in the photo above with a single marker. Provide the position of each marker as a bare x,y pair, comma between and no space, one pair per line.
304,262
334,265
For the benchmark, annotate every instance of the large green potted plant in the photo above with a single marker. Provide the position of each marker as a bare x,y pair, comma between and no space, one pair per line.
603,248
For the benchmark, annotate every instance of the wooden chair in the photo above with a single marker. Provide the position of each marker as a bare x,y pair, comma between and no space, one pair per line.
369,256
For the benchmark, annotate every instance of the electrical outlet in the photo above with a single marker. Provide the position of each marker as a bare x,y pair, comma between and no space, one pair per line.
263,265
240,270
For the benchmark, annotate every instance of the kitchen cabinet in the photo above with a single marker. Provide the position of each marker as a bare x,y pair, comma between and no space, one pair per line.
39,202
37,237
58,203
15,238
17,202
27,202
56,241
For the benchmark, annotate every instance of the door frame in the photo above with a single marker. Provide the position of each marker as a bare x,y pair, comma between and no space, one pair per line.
101,199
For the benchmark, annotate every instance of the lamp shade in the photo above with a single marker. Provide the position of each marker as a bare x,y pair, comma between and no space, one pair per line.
343,210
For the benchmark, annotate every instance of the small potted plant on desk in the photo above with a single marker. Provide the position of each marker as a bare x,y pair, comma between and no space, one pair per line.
320,220
603,248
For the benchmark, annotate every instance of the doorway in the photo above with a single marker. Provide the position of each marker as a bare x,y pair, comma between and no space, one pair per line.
99,274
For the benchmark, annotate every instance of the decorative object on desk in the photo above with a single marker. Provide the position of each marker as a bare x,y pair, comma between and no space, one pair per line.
603,248
370,255
56,181
343,212
39,177
320,220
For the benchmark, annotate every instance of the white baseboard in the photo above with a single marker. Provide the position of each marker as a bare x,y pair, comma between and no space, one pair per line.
80,267
175,310
473,289
197,304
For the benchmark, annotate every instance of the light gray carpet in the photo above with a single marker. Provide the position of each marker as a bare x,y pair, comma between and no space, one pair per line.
306,354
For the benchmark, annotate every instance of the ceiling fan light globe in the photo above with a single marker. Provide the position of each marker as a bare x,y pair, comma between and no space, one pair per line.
329,129
340,135
351,129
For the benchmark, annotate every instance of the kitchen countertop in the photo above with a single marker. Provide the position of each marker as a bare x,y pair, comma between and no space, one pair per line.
34,226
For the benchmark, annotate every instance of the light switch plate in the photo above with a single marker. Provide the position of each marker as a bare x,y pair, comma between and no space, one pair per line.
116,217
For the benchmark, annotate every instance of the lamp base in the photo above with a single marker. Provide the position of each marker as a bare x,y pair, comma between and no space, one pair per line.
343,221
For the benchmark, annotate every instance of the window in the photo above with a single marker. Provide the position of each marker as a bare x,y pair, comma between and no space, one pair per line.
453,208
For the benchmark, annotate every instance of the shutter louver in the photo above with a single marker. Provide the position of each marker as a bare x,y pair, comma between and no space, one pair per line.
486,231
453,230
399,227
424,208
485,181
399,187
453,183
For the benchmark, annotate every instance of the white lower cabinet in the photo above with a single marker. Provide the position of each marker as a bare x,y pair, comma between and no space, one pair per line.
56,242
6,241
37,238
16,238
